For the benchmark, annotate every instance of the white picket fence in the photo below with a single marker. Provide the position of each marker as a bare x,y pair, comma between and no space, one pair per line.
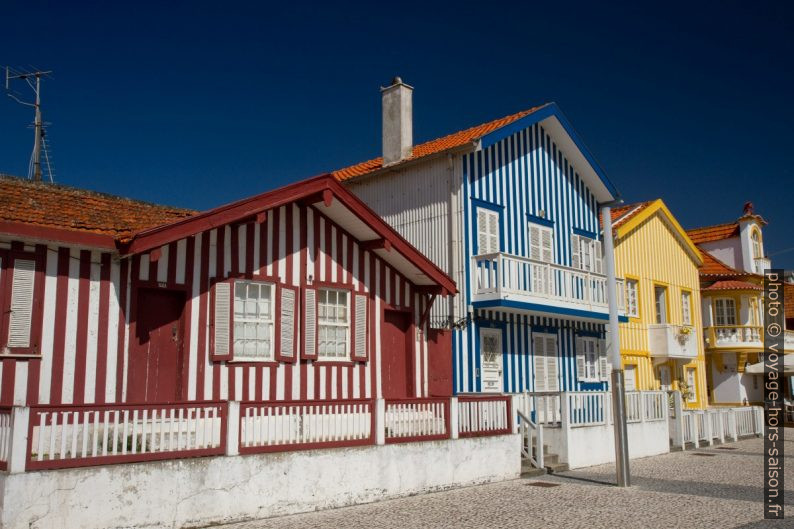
705,427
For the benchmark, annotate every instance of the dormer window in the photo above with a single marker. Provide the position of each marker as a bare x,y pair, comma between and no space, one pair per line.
755,239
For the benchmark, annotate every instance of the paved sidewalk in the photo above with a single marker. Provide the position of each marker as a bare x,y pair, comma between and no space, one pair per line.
681,489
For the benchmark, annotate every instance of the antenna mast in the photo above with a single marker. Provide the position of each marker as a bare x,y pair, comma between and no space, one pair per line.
38,139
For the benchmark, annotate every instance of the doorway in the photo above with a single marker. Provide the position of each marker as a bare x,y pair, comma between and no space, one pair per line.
155,369
664,378
491,360
630,377
396,370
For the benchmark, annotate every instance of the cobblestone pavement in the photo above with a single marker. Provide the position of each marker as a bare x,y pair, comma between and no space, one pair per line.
680,489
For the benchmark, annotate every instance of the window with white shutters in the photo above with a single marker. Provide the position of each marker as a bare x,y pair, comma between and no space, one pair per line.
487,231
310,323
287,323
587,359
541,243
545,362
20,313
360,333
254,320
586,254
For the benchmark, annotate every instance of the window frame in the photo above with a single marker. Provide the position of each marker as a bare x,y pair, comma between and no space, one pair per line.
594,362
756,244
275,314
488,210
686,295
276,357
636,282
590,247
530,224
8,257
348,355
717,312
657,313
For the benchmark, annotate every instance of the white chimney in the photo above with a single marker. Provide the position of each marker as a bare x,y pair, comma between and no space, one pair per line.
398,123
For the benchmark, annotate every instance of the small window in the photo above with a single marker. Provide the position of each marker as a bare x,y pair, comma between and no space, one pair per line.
590,351
756,240
632,298
660,297
686,308
253,320
487,231
691,382
725,311
333,324
586,254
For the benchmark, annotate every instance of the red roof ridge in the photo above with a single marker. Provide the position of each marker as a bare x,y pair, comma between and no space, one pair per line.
434,146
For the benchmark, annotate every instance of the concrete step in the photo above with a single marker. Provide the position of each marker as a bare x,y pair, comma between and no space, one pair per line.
556,467
532,472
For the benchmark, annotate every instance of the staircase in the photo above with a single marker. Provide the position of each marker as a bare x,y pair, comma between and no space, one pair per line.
551,465
535,460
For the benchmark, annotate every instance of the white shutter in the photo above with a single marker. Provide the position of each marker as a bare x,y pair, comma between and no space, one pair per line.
222,317
603,362
581,367
287,322
598,257
360,343
552,371
493,232
310,323
576,252
540,363
21,317
482,231
547,242
534,242
587,254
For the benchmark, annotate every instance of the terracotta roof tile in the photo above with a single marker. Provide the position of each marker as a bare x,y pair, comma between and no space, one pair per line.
713,233
713,266
731,284
788,290
450,141
622,214
67,208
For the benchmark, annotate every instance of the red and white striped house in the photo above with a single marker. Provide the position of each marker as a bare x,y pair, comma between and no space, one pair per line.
297,294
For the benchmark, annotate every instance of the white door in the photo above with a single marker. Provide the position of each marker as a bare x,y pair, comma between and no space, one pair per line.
630,377
664,378
491,360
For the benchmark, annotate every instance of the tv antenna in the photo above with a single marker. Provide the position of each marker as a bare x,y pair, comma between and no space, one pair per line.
33,79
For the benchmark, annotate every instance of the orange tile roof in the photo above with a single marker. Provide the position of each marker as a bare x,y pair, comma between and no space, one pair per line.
734,285
713,233
450,141
713,266
56,206
788,296
621,214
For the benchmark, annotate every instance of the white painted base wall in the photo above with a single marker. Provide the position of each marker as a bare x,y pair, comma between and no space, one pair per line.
595,445
194,492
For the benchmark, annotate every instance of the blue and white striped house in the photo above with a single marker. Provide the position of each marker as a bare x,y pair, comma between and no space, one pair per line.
510,210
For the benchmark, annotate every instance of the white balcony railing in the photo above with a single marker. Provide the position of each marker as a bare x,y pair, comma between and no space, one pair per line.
762,264
735,336
672,341
501,276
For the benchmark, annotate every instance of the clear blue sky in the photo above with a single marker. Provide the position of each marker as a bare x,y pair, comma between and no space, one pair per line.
196,104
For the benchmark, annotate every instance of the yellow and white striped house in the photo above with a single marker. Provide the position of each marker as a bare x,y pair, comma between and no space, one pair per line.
661,344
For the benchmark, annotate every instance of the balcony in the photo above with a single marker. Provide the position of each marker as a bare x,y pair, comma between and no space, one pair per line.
672,341
762,264
526,283
735,336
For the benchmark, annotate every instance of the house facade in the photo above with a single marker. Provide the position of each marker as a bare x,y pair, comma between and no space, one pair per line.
510,210
286,296
661,343
732,290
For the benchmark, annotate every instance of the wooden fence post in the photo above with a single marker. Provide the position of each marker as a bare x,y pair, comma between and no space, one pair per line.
380,421
454,418
233,429
18,450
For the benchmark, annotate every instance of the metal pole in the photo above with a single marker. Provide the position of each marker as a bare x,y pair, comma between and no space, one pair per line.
37,139
613,349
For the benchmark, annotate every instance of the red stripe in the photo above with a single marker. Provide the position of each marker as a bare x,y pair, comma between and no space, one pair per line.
9,374
231,372
349,261
350,380
304,393
339,253
263,242
102,331
219,273
288,247
304,235
246,382
249,248
122,349
275,254
257,382
190,249
202,319
59,337
82,327
272,382
316,245
288,381
327,250
235,249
